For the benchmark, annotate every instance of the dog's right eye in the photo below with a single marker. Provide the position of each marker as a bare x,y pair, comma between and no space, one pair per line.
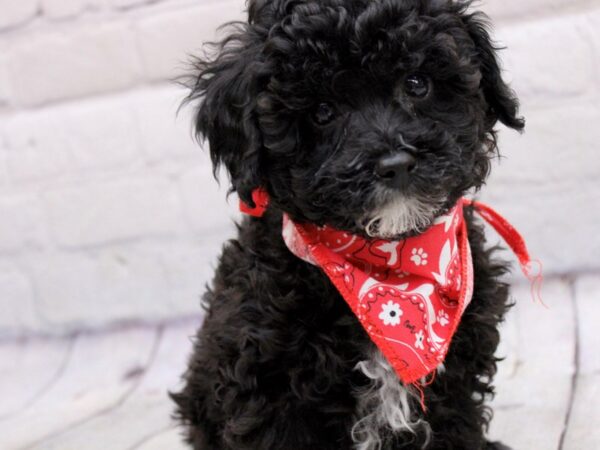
323,114
416,85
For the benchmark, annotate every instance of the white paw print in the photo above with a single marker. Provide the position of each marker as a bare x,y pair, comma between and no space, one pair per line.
443,318
390,313
419,340
419,257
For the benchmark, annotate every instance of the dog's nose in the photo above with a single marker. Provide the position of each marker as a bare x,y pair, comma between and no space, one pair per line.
393,169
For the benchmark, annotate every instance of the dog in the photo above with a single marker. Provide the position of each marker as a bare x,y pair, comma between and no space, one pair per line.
374,117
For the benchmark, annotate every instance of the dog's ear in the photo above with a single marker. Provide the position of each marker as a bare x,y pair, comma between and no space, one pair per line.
502,101
226,88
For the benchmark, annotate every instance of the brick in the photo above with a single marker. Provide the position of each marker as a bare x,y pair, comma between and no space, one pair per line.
3,171
553,151
36,147
125,282
5,88
124,209
81,61
100,134
15,13
550,60
66,8
17,304
167,40
165,132
97,288
593,21
189,266
126,4
26,160
207,209
504,10
3,166
22,223
547,185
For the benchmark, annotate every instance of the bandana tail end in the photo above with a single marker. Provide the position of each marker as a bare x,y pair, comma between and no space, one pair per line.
531,268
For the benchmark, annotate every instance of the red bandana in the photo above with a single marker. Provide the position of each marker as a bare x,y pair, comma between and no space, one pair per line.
409,295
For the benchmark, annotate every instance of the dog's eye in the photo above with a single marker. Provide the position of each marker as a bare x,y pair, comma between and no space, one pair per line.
323,114
416,85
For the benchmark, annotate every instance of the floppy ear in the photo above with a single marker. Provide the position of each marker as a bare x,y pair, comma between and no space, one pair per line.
502,101
226,88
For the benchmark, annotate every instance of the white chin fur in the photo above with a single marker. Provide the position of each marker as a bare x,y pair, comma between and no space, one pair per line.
399,216
384,406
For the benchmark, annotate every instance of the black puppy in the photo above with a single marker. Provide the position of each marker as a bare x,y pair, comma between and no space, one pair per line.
373,117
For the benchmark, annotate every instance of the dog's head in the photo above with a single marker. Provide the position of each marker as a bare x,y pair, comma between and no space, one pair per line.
372,116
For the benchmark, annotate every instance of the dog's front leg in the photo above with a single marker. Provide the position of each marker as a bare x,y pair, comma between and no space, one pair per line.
272,364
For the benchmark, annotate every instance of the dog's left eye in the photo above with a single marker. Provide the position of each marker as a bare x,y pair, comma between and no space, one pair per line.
323,114
416,85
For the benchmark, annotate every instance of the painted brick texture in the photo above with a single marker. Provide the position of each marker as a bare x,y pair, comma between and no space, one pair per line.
109,211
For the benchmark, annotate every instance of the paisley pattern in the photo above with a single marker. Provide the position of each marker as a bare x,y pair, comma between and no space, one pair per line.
408,295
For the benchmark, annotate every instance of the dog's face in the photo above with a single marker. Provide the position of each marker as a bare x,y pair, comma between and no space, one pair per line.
372,116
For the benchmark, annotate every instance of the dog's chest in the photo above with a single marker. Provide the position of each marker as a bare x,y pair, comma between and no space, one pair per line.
384,405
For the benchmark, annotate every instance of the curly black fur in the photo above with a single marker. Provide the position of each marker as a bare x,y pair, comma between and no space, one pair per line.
272,366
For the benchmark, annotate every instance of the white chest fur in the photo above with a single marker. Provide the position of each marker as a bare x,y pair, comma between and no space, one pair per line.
385,406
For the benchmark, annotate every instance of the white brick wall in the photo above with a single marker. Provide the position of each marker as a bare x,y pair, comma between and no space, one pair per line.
14,14
108,209
61,64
